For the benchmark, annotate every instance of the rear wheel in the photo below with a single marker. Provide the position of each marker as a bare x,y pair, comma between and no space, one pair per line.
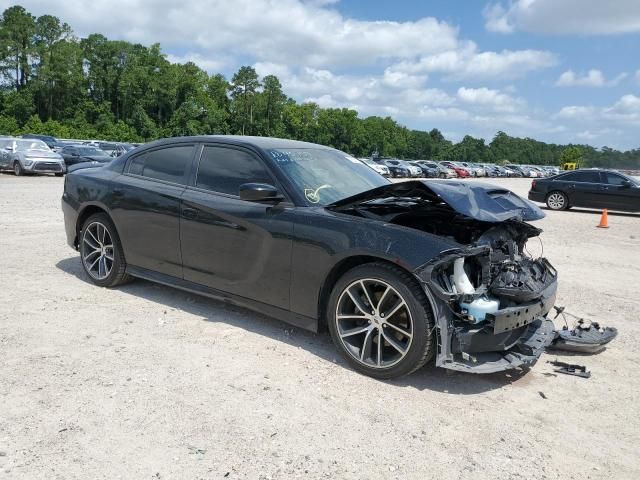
380,321
17,169
59,174
557,201
101,252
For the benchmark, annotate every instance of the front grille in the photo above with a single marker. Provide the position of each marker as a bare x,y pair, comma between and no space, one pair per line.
48,167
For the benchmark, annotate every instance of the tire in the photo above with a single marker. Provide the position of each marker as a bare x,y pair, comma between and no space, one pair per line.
58,174
17,169
407,332
443,175
557,200
92,240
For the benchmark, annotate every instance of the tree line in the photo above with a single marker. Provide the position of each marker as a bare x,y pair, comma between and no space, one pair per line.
57,84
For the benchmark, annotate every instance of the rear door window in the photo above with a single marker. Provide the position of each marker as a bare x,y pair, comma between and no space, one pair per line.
168,164
224,169
581,177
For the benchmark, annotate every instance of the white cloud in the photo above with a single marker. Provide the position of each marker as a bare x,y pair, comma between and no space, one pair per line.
294,32
638,76
493,99
593,78
211,65
388,94
625,112
468,63
575,112
564,17
287,31
627,109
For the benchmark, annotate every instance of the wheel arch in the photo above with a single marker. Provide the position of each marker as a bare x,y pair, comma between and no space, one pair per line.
337,271
86,212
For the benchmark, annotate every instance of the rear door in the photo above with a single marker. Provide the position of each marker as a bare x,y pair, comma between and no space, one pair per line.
582,188
233,245
146,207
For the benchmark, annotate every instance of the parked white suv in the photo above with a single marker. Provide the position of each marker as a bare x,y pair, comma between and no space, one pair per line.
23,155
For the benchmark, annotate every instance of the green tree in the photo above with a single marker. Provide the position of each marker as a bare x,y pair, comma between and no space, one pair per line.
17,29
571,154
244,87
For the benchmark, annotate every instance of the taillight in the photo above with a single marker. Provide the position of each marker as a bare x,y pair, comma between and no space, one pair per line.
533,184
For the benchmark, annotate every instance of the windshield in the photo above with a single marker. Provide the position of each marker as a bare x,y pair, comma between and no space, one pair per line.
91,151
325,176
22,145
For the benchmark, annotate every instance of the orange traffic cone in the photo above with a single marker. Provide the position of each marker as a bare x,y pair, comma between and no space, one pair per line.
604,219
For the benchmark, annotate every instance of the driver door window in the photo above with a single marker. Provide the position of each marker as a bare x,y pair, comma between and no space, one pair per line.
223,170
613,179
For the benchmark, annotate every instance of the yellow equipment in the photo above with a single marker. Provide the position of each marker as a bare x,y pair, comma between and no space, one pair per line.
570,166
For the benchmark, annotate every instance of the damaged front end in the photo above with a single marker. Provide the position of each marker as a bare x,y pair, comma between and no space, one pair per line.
490,306
490,298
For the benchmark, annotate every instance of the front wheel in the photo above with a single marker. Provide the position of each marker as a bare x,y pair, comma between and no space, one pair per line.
557,201
17,169
101,252
380,321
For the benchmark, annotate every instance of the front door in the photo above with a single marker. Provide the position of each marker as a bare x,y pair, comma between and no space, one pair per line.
616,193
229,244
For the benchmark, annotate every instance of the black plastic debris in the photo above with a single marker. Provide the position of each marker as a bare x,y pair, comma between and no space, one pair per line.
585,337
570,369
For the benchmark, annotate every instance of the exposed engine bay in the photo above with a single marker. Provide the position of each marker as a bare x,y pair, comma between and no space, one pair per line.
490,296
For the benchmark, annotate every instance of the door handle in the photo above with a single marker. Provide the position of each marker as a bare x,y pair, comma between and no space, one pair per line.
190,213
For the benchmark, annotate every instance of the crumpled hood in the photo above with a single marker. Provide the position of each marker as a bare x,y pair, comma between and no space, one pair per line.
480,201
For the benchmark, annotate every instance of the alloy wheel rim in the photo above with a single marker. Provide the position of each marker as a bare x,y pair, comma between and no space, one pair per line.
556,201
97,251
374,323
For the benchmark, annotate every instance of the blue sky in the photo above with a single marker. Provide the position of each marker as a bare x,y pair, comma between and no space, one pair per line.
556,70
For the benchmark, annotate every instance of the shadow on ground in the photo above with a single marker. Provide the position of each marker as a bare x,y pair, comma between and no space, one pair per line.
598,212
427,378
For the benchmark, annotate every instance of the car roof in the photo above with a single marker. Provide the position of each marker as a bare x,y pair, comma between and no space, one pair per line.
260,142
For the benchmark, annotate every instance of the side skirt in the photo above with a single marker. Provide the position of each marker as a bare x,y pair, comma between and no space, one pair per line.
301,321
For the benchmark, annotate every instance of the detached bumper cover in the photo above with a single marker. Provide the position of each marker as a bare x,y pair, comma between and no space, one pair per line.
525,352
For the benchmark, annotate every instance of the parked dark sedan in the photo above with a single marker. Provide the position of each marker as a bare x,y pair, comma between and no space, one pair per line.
588,188
398,273
74,154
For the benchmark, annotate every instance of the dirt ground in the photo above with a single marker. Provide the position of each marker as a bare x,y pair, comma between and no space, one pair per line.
150,382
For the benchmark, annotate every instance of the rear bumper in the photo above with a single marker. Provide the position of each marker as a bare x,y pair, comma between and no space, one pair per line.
70,222
536,196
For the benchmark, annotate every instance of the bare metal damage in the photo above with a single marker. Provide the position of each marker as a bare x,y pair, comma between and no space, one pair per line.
490,268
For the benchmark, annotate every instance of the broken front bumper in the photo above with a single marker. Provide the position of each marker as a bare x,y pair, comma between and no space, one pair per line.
513,337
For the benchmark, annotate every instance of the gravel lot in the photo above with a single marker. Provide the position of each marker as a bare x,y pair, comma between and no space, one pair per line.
146,381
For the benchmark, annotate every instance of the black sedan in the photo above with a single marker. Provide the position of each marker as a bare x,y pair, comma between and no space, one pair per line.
588,188
74,154
398,273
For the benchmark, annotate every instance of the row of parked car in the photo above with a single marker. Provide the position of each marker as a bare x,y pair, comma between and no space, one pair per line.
33,153
393,167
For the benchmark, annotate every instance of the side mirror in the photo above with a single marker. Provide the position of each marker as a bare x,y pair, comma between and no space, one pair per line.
259,192
626,184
